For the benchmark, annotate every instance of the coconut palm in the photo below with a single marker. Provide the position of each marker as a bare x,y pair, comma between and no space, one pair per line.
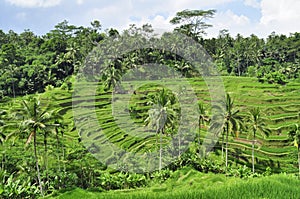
256,122
161,116
227,120
35,119
111,77
202,120
294,134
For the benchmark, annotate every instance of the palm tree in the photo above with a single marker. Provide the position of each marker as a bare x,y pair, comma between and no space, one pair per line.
161,116
203,118
227,120
36,118
294,134
111,77
257,124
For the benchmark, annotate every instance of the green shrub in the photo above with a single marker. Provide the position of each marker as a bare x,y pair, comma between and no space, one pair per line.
14,187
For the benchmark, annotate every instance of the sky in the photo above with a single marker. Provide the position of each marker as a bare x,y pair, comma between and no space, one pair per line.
259,17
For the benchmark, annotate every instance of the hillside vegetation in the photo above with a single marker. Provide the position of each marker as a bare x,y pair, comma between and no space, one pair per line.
188,183
73,115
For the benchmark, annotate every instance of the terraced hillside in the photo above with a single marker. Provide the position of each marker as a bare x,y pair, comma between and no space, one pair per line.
281,104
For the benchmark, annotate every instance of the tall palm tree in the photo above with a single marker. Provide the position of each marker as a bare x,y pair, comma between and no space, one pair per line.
36,118
233,121
256,123
294,134
203,118
161,116
227,120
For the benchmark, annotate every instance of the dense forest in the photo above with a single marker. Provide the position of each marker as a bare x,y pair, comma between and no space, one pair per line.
42,150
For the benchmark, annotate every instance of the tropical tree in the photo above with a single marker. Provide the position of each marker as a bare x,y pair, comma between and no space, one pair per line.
111,77
161,116
202,120
228,120
192,22
35,118
256,122
294,134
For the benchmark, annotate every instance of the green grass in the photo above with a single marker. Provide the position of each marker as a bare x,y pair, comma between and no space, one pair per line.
281,104
188,183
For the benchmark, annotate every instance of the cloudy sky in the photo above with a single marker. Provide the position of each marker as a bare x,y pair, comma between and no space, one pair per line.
260,17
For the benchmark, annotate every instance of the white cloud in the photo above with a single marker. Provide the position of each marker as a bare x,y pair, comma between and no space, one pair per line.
120,13
252,3
116,15
79,2
281,11
231,21
192,4
159,23
282,17
34,3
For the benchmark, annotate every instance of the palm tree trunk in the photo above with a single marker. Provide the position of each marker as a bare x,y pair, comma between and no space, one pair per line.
253,143
226,149
299,161
160,151
57,147
199,133
179,145
222,145
46,156
37,163
156,145
253,156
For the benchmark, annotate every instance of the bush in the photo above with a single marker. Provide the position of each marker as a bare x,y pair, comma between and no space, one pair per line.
274,77
14,187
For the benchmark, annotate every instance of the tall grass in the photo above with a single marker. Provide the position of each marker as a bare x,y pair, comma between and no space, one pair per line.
276,186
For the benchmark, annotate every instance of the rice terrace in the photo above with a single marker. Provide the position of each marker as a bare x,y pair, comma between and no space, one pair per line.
92,113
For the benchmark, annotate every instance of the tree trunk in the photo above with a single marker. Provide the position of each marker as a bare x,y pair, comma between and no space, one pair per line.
46,157
222,145
253,156
160,152
226,149
299,161
179,145
57,147
253,143
156,145
37,164
199,134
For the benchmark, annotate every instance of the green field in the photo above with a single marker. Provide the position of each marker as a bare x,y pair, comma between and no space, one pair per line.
281,105
188,183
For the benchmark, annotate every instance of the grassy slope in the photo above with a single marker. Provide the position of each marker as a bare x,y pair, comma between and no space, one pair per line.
281,104
188,183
